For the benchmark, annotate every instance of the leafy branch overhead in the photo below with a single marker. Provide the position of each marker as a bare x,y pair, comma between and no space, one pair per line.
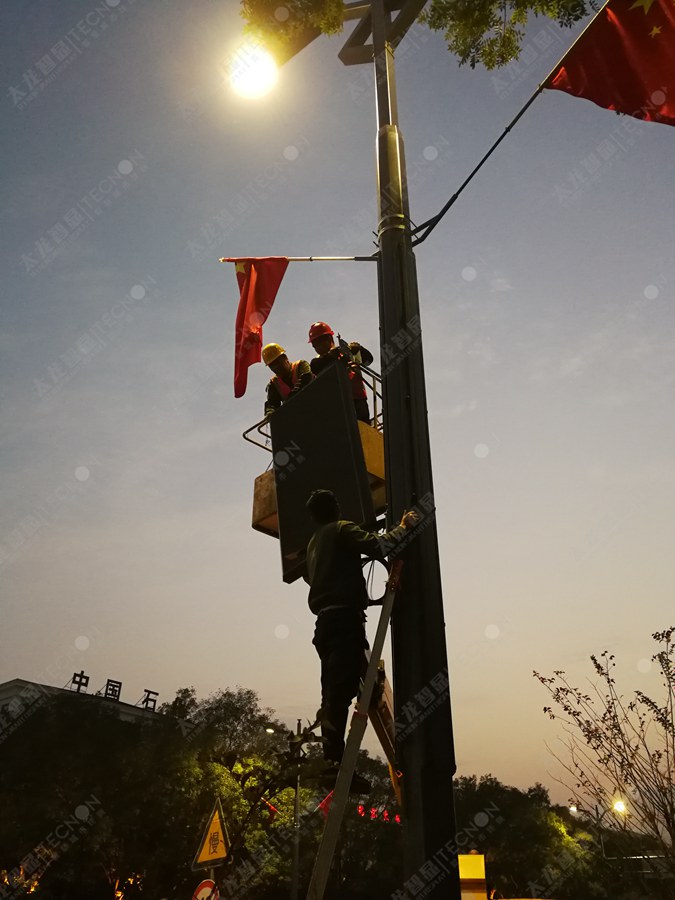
485,32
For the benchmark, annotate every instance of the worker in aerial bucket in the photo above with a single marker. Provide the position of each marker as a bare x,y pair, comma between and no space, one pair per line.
350,355
288,378
338,597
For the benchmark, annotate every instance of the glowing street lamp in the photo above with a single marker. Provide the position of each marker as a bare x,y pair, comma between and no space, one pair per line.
618,806
253,71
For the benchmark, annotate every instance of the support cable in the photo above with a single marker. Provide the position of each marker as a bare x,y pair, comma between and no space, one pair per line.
427,227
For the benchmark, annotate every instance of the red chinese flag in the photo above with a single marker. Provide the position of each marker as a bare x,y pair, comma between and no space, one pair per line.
259,281
325,804
272,810
625,60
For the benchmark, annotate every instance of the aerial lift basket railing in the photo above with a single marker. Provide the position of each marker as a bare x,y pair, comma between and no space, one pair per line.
373,384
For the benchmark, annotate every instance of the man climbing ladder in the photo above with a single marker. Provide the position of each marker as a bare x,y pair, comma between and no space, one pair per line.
329,839
338,597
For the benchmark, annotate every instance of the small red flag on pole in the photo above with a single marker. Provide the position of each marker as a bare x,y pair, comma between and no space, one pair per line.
325,804
625,60
272,810
259,280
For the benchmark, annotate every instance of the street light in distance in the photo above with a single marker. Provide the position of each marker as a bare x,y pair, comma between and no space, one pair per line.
598,815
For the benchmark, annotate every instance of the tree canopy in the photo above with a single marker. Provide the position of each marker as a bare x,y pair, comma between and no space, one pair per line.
153,783
485,32
95,807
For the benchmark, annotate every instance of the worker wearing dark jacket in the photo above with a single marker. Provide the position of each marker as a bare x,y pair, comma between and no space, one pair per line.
288,378
350,355
338,598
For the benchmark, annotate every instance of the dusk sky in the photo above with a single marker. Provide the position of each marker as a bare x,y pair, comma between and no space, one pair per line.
129,168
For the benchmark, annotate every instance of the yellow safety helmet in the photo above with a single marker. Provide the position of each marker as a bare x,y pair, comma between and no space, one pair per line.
270,352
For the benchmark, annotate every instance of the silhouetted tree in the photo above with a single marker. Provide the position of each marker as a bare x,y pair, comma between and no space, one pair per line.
623,749
532,849
154,782
145,788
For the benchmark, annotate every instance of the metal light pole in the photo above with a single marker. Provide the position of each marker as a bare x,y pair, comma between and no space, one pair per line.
426,754
425,747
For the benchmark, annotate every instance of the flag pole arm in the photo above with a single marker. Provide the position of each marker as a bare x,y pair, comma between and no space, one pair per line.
372,258
428,226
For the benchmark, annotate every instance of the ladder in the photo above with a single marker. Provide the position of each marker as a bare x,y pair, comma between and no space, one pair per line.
357,728
384,724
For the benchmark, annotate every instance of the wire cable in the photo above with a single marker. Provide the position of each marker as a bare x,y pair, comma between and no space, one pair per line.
427,227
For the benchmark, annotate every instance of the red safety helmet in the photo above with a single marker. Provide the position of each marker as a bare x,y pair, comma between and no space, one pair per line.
317,330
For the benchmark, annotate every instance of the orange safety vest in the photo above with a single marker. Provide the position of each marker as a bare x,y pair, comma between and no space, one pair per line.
282,387
358,387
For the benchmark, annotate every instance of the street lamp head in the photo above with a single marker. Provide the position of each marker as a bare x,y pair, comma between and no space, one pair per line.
619,806
253,71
